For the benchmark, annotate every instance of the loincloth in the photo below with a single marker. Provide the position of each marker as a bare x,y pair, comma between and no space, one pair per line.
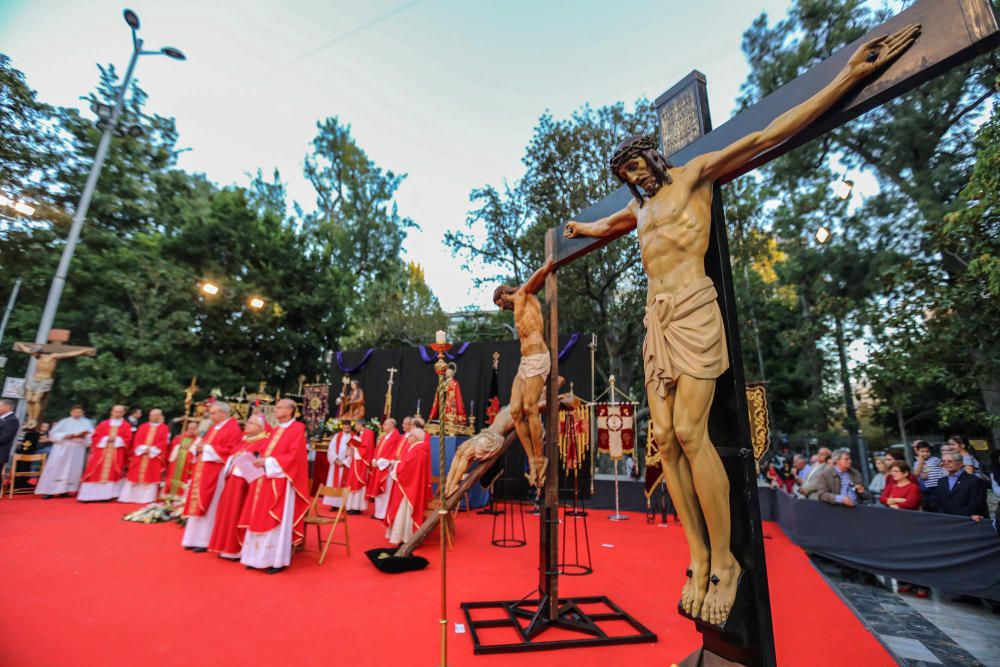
534,365
485,444
684,336
39,386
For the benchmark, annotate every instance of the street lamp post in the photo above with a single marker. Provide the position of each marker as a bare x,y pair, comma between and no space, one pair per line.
59,280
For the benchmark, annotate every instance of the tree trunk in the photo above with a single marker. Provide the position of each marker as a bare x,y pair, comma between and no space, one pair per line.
851,422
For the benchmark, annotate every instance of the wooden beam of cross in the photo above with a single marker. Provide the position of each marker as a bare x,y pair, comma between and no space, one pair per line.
952,32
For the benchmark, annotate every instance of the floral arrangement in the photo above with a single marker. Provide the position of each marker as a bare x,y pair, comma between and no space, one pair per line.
170,509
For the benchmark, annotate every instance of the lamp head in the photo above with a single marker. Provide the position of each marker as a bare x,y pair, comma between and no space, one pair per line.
131,18
171,52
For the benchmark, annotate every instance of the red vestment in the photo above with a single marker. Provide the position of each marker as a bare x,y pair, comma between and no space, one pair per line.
227,537
386,449
144,467
222,438
264,505
454,407
107,461
187,462
413,481
362,461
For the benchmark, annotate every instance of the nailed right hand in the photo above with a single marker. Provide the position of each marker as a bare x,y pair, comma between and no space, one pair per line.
573,229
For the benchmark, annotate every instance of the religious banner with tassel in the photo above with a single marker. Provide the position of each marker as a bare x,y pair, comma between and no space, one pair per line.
654,465
574,437
616,429
315,406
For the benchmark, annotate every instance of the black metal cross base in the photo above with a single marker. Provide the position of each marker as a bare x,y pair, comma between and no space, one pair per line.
530,619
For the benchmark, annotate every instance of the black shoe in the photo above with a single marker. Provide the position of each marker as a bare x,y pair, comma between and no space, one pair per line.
199,550
47,497
274,570
189,548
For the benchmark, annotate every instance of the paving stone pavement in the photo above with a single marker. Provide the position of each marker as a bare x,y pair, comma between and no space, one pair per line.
919,632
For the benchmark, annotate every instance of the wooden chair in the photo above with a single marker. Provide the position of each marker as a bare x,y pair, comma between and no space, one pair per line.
318,519
11,475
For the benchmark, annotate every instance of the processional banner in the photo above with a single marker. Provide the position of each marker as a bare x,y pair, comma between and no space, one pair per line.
616,428
574,436
315,405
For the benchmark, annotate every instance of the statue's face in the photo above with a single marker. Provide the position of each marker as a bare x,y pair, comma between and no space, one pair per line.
505,301
637,172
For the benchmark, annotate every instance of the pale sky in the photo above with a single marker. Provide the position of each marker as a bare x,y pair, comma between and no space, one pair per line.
447,91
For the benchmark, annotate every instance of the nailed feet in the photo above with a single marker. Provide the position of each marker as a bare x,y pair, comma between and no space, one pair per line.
722,592
695,588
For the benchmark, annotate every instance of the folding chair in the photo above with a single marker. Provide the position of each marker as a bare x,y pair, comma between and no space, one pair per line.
10,480
316,518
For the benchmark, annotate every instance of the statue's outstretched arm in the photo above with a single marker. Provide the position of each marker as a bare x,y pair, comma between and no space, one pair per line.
866,61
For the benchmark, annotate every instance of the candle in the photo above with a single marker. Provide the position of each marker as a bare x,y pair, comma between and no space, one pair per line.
472,408
418,406
440,337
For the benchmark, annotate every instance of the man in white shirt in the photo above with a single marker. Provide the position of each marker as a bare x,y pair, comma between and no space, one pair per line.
64,465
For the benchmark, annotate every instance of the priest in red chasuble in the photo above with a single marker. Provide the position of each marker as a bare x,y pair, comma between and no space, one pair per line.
227,537
411,490
277,501
145,468
363,447
103,477
340,454
379,484
454,407
180,461
210,453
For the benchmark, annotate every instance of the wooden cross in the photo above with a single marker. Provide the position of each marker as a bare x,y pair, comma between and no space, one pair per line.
953,32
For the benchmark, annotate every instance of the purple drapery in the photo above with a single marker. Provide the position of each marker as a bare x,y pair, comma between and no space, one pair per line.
429,355
568,347
359,366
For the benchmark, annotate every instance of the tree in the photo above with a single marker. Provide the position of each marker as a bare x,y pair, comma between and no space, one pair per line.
566,171
917,146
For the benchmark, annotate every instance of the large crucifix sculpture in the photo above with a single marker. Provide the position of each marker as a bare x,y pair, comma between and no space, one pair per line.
38,386
691,342
681,224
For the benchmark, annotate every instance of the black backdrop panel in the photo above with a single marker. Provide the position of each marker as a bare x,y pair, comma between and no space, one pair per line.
416,382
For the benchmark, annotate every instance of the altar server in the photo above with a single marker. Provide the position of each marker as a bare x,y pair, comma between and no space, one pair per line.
64,465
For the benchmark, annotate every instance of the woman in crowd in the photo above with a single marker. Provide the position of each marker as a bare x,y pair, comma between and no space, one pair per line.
877,485
969,460
902,494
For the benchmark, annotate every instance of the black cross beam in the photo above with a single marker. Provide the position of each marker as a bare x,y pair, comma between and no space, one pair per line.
953,32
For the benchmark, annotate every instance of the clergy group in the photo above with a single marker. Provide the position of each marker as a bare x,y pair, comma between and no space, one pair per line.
245,489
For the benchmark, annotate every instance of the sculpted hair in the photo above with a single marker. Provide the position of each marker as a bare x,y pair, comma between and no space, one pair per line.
639,145
501,290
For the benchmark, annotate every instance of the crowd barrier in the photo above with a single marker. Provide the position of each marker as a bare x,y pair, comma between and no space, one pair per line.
953,553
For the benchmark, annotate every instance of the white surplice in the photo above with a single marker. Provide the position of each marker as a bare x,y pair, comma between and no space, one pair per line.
340,456
382,499
65,462
273,548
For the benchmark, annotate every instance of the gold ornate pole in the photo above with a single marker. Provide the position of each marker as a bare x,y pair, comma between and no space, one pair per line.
441,346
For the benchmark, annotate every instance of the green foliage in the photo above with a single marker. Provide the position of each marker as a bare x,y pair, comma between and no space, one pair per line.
154,232
892,261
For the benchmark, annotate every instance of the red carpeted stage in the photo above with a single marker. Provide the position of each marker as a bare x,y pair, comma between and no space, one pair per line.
81,587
